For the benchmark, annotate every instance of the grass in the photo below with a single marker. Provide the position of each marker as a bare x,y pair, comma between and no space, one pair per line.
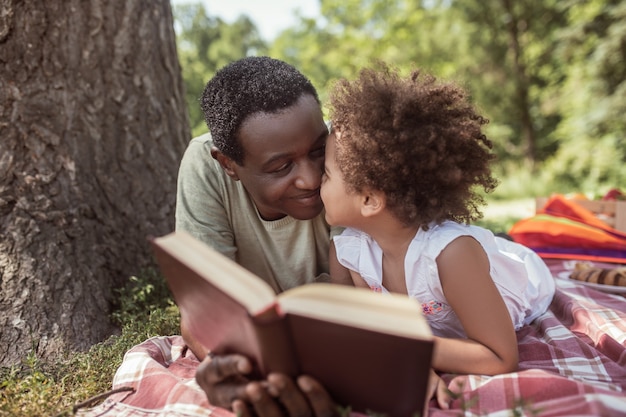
36,388
499,215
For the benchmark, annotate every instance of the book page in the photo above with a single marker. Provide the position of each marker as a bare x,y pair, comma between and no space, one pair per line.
358,307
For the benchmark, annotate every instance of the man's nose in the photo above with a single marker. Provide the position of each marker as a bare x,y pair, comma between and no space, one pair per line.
309,176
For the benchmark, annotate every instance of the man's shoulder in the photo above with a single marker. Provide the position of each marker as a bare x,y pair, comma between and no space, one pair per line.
199,151
204,140
198,169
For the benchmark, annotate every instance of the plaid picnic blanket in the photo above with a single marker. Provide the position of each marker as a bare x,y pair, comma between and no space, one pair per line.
572,363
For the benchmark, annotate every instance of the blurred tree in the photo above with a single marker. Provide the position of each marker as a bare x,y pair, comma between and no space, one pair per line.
357,33
313,51
500,49
549,74
511,67
592,99
206,44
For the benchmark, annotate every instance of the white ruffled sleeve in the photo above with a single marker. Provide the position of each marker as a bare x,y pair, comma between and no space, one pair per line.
348,247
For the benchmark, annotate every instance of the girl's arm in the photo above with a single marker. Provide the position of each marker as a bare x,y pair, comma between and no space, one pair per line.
339,274
491,344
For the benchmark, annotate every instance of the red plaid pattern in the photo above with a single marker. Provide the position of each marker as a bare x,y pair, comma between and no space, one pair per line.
572,363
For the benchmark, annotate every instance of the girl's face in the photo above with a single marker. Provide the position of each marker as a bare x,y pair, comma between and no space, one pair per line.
342,206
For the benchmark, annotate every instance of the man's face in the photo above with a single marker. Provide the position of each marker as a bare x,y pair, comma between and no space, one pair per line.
283,160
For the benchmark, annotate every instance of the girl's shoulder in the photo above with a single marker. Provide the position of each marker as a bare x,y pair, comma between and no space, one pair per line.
351,238
438,236
350,233
445,232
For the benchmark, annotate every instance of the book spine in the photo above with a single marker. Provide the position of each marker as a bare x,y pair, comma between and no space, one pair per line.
277,352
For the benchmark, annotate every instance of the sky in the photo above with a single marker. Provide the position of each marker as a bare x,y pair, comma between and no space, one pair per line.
269,16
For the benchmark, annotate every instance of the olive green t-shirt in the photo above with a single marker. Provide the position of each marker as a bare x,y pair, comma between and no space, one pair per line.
218,210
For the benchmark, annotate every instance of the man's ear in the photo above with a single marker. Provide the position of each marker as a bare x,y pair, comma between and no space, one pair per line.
372,203
225,162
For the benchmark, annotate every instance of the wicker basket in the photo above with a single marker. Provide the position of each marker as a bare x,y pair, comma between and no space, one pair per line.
612,213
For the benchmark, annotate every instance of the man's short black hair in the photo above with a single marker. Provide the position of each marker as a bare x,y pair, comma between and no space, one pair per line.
246,87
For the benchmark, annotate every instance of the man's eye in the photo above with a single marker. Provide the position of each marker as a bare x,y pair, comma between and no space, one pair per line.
282,168
319,151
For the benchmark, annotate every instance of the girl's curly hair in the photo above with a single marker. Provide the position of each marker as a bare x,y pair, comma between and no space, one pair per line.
417,140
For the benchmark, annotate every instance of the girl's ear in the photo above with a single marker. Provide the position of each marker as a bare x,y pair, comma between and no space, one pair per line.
372,203
225,162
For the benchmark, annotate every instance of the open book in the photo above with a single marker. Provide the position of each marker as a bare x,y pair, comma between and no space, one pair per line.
372,352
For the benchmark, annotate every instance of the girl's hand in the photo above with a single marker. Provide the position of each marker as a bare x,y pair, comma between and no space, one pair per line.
438,389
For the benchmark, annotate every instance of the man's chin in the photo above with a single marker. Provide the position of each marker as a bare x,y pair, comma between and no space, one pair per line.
306,213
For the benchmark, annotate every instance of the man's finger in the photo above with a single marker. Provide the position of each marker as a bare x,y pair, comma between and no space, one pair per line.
222,380
240,409
321,402
216,369
284,390
264,405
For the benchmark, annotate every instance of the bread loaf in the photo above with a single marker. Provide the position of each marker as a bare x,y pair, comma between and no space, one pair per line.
584,271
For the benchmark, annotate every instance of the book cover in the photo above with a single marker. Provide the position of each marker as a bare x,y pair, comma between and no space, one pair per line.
371,351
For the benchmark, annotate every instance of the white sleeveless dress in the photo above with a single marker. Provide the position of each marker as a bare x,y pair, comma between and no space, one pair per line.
521,276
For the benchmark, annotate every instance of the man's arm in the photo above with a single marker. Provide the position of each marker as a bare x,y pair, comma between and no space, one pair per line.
192,343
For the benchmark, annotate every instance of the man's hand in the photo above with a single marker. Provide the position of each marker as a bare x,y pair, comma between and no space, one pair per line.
223,380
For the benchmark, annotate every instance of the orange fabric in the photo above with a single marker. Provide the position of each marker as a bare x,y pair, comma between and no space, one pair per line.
565,229
550,230
561,206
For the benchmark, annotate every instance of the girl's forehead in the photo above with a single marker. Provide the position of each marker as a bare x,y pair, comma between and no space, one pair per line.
331,143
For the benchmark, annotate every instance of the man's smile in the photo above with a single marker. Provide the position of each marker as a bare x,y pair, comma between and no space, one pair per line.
310,197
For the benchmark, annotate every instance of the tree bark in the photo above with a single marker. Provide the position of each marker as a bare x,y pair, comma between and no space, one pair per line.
92,127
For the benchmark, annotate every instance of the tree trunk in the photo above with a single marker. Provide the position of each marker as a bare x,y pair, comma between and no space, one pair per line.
522,85
92,127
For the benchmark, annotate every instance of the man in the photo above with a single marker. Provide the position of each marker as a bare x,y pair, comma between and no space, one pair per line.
250,190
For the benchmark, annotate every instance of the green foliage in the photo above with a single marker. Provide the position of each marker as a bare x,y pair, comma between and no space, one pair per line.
347,412
206,44
36,388
549,75
358,33
142,294
592,102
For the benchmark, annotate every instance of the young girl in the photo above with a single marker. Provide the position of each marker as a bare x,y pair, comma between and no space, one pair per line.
403,164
